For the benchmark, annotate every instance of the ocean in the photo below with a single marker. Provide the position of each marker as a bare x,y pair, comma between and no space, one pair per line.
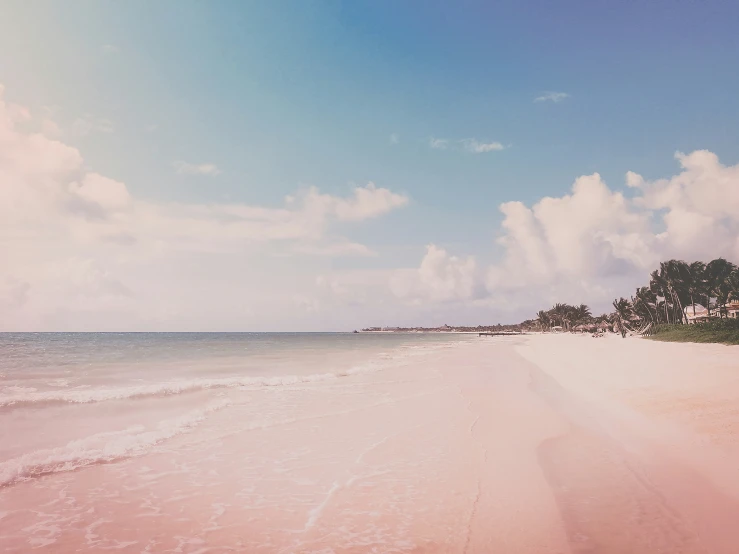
130,440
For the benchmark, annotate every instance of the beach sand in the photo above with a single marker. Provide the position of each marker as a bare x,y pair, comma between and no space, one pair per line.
536,444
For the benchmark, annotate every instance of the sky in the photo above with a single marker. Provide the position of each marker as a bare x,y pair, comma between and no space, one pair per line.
327,165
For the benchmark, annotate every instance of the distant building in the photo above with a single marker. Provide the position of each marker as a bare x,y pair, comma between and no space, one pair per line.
732,309
695,313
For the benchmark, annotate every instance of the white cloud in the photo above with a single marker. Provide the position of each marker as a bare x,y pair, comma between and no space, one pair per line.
440,278
13,293
595,244
552,96
701,207
335,248
81,251
586,234
152,128
394,138
110,49
366,202
591,245
439,144
50,129
184,168
86,279
367,289
83,126
471,145
477,147
306,303
634,180
106,194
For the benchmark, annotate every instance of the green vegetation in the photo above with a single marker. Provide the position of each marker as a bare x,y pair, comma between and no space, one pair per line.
724,331
676,295
569,318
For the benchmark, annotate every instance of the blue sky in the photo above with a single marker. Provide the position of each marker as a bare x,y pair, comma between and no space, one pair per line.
283,95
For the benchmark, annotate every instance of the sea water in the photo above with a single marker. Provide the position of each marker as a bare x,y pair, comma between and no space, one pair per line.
128,440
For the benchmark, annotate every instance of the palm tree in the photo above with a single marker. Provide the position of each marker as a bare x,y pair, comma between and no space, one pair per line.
674,272
581,313
733,284
559,314
673,285
693,280
644,302
622,314
718,281
658,284
543,319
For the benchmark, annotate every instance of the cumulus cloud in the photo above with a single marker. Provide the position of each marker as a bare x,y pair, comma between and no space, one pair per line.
440,278
366,202
700,207
634,180
478,147
572,243
307,304
438,144
107,194
590,245
50,128
80,250
185,168
367,288
13,293
88,124
86,278
552,96
595,244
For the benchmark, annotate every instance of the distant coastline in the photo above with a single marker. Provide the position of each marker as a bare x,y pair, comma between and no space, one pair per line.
517,328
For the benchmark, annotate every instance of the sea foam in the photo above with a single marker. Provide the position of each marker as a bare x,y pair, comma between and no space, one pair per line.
101,448
18,398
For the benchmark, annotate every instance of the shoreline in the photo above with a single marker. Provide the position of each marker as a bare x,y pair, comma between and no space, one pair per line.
530,444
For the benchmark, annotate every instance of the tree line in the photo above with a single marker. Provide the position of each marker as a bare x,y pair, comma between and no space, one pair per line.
674,287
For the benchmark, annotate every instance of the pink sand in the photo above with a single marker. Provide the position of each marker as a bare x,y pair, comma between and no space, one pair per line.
546,444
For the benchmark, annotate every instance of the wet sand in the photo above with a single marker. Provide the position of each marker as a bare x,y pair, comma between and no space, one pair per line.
539,444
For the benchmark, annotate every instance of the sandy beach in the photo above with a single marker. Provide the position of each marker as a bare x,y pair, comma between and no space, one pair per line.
369,277
536,444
